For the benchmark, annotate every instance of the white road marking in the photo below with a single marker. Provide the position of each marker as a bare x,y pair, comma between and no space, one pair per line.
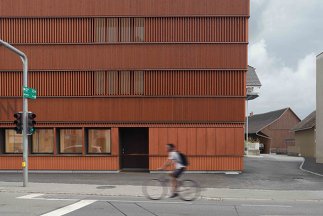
276,206
30,196
70,208
36,197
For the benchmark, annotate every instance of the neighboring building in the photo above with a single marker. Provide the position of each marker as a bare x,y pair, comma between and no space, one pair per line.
319,108
117,80
253,83
273,129
304,137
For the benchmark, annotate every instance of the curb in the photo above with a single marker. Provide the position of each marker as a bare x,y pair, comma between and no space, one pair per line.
305,170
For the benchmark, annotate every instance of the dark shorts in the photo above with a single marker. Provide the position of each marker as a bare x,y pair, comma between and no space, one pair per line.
178,172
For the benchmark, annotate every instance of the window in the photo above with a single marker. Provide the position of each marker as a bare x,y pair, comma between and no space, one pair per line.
71,141
119,30
99,141
43,141
125,30
13,142
139,30
112,30
125,83
100,29
99,82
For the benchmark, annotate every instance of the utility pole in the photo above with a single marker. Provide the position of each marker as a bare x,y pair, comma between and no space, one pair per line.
25,109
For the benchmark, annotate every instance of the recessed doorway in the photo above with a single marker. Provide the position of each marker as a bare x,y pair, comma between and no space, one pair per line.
134,149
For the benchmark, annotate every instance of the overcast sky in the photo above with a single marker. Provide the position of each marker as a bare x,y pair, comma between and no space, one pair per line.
285,37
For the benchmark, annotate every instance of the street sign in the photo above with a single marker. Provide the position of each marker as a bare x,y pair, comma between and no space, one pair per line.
30,93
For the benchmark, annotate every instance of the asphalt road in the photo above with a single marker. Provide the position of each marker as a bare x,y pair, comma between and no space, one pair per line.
56,205
269,172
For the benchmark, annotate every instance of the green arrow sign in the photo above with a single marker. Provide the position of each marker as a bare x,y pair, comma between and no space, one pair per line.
30,93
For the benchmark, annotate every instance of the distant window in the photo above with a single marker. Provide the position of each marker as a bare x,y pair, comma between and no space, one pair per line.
99,82
139,30
100,29
124,83
138,82
125,30
13,142
112,29
71,141
43,141
119,30
99,141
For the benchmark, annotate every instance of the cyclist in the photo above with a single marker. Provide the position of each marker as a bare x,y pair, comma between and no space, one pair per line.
174,158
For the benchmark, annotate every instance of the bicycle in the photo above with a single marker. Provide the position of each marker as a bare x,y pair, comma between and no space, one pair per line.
157,188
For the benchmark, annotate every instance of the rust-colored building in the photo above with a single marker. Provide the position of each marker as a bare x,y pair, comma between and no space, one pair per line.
274,130
118,79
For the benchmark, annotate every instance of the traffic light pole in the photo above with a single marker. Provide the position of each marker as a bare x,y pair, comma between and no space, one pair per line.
24,107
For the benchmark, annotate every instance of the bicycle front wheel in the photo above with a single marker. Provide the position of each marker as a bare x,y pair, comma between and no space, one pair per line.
154,189
188,190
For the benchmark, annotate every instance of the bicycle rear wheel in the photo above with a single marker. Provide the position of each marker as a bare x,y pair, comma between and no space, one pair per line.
154,189
188,190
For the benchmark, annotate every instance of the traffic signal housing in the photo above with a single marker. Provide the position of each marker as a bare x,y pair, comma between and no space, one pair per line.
31,123
18,122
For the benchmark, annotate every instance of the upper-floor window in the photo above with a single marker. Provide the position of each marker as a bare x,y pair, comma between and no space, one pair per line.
118,30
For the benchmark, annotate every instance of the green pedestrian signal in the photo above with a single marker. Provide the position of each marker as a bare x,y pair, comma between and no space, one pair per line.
31,123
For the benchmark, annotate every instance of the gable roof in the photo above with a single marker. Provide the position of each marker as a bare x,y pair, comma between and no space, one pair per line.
257,122
307,123
252,77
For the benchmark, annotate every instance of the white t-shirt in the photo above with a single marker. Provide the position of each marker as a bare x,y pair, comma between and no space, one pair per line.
174,156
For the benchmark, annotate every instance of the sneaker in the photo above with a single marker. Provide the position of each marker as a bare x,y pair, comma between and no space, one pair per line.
173,195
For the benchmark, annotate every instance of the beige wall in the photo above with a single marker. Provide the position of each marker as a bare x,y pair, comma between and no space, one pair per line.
305,142
319,108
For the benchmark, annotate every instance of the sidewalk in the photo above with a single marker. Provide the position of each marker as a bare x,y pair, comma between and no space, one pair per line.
311,165
136,191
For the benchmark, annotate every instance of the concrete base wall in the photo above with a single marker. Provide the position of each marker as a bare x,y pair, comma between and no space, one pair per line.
319,108
305,143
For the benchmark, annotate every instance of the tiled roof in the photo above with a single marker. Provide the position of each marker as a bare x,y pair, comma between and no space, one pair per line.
257,122
307,123
252,78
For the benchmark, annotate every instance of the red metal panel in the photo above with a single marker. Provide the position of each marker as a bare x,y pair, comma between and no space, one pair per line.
201,141
182,139
76,30
123,7
128,57
192,139
172,135
153,141
162,141
210,141
61,163
220,137
204,163
115,141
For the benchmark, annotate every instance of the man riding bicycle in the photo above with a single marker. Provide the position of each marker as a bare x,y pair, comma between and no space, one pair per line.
174,158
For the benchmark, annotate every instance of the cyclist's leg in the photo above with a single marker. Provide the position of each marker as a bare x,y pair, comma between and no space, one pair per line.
174,175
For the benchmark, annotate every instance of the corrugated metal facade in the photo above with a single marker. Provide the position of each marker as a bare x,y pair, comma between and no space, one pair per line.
176,67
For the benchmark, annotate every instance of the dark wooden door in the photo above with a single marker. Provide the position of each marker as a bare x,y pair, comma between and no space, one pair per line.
134,148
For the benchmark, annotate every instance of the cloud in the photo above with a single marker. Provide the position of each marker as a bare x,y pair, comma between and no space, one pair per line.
285,36
283,86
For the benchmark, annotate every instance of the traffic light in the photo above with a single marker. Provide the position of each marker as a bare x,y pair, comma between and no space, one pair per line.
18,122
31,123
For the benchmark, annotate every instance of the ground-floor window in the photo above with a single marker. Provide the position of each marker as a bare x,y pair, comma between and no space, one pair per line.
99,141
43,141
13,142
71,140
